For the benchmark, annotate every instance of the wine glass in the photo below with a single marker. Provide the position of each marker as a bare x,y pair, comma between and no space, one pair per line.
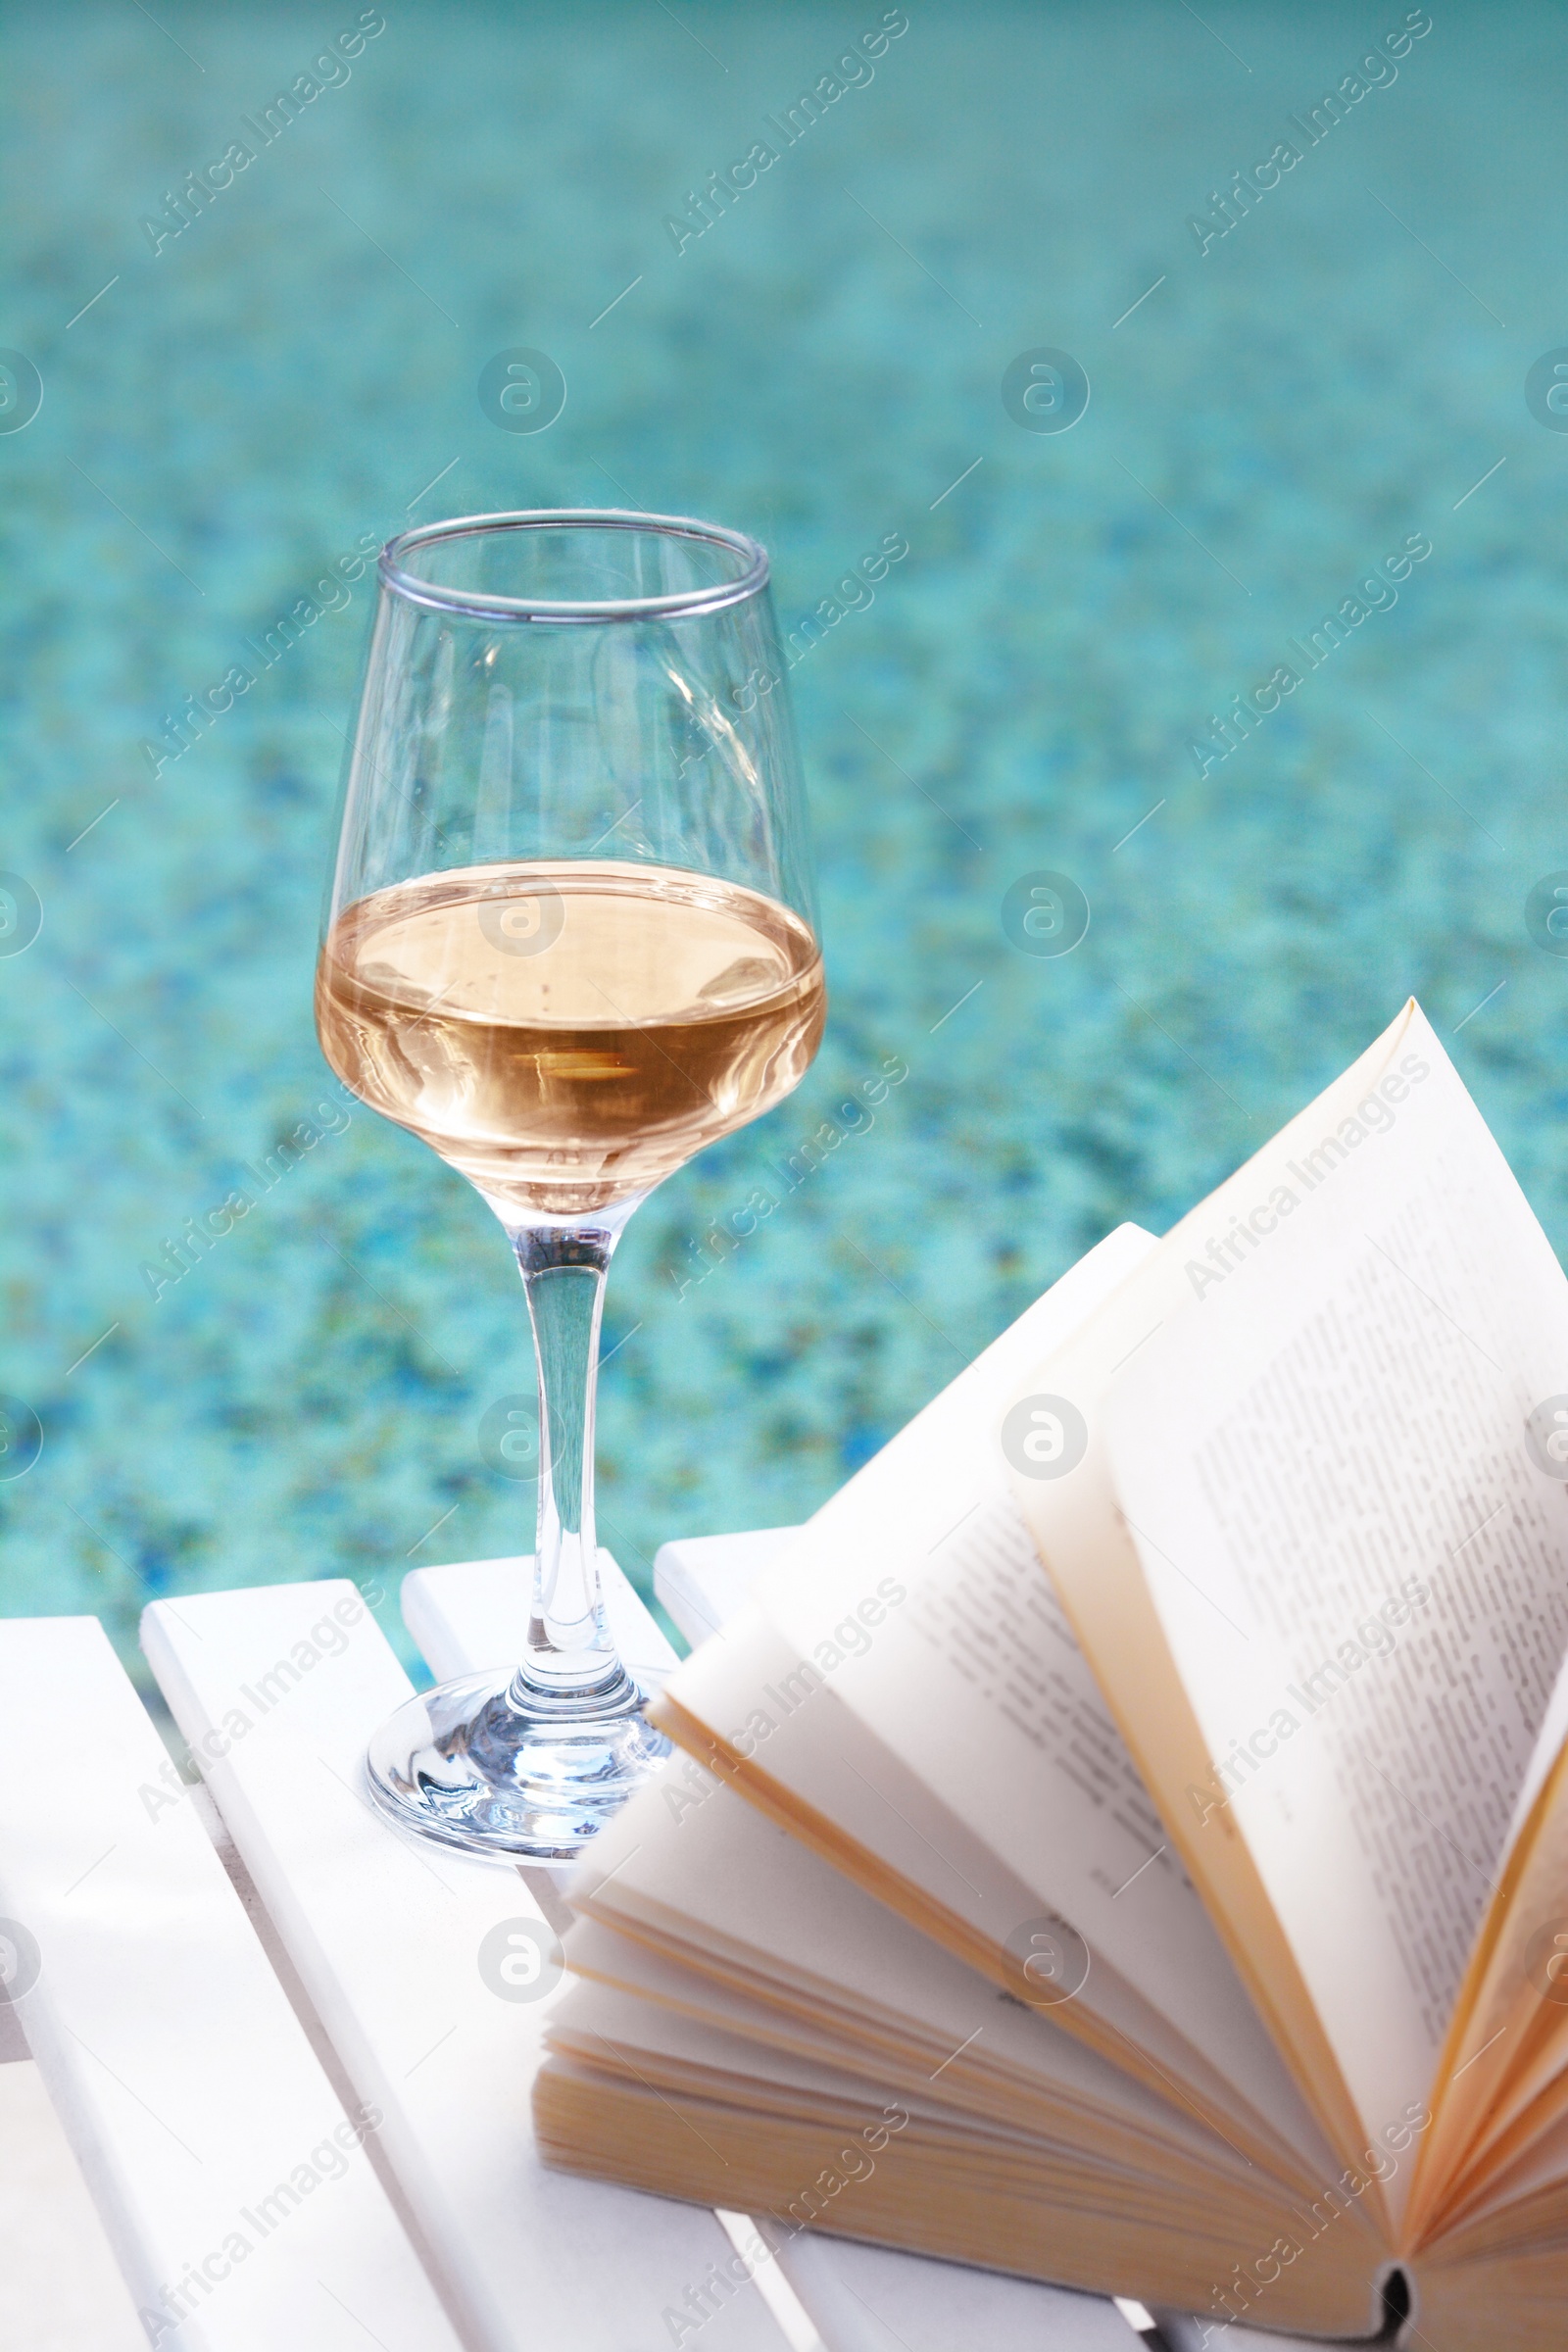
570,939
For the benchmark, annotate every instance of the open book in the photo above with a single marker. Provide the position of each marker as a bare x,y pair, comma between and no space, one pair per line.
1125,1842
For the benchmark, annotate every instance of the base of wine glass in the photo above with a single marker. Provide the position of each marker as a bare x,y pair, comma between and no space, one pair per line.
467,1765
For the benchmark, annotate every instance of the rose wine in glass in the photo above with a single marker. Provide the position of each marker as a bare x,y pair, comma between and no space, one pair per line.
567,1035
570,940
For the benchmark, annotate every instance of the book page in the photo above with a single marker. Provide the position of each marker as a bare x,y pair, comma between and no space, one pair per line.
998,1783
700,1877
995,1621
635,2090
1550,1740
717,2052
1503,2083
1361,1570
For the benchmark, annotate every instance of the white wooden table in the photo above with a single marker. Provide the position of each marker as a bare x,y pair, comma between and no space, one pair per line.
274,2035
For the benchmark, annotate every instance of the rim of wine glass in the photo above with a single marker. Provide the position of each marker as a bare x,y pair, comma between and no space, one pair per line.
482,604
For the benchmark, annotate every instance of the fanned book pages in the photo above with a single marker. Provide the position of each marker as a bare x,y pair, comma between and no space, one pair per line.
1125,1840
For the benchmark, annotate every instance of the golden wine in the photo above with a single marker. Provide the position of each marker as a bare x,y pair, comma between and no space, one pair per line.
568,1032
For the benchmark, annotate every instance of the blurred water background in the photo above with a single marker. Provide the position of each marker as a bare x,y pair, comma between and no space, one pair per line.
293,376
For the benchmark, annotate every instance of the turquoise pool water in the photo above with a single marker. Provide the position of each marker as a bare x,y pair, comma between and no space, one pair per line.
1280,399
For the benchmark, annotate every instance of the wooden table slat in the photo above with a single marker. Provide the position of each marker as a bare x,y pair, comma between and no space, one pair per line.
242,2209
386,1936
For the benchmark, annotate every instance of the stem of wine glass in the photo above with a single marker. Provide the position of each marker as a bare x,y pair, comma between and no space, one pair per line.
570,1651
